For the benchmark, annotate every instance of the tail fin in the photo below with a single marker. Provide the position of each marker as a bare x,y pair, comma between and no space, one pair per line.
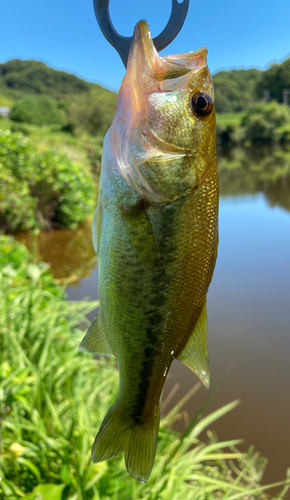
138,442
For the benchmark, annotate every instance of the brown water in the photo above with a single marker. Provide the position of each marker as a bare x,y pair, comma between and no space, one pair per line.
248,303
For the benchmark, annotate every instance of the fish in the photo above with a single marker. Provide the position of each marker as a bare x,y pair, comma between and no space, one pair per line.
155,231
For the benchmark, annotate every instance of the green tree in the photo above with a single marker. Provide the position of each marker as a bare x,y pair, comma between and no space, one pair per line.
36,110
263,121
236,90
275,80
93,112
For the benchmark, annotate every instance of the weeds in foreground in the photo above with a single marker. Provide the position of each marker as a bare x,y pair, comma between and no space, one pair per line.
53,400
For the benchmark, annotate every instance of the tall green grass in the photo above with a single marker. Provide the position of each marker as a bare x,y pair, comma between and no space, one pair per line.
53,400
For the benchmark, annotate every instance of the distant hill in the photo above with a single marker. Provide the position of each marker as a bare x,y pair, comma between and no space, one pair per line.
30,87
235,90
18,77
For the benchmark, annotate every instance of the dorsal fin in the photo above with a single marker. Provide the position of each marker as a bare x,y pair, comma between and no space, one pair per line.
195,353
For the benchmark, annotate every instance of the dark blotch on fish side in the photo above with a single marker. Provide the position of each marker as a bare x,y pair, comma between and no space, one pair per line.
158,291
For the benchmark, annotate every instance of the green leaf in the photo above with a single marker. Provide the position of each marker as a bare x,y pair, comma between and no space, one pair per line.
46,492
33,272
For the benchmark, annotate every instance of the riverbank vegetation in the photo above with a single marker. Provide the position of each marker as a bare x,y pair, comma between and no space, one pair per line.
41,189
53,400
263,124
245,171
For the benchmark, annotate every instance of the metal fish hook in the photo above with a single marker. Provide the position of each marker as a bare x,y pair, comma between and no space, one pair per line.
122,43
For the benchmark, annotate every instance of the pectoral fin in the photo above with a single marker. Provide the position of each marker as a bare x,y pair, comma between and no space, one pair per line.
141,233
96,228
95,340
195,353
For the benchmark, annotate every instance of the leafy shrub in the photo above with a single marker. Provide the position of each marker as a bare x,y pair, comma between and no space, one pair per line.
53,400
261,122
40,189
36,110
93,112
282,133
228,129
16,263
19,127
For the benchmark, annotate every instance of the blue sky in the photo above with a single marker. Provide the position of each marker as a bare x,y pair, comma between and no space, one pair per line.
65,35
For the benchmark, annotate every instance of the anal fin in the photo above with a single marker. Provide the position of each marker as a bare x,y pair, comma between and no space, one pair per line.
95,340
195,353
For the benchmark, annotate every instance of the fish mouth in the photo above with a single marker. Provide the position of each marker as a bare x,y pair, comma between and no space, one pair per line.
133,142
142,41
143,50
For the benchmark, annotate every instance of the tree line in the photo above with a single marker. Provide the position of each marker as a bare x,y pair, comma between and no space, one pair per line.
44,96
235,90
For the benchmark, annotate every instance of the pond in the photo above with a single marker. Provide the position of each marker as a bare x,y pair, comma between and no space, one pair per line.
248,303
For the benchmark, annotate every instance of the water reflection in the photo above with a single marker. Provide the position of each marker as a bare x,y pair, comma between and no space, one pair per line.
256,170
70,253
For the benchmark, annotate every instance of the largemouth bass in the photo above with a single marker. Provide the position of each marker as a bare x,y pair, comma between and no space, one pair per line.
155,231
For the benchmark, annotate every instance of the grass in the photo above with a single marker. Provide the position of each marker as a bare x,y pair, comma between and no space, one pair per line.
5,101
54,399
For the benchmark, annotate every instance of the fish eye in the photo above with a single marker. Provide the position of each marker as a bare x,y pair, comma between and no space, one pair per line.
201,103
